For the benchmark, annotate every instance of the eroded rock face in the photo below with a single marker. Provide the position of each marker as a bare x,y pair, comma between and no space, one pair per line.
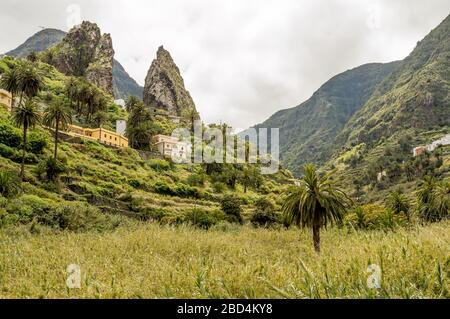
86,52
164,87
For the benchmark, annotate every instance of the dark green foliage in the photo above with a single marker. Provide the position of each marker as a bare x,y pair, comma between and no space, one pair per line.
433,198
37,142
10,135
9,184
398,203
264,214
200,218
196,179
231,206
52,168
152,213
181,190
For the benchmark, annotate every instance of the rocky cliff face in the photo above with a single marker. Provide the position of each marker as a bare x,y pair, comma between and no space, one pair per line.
124,86
164,87
85,52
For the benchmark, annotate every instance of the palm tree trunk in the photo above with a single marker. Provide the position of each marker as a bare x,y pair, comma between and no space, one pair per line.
22,166
316,237
56,137
20,99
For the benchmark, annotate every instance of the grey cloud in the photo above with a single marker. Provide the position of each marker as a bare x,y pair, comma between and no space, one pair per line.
242,60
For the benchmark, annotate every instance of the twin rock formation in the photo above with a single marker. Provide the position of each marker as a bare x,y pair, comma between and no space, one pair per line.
84,51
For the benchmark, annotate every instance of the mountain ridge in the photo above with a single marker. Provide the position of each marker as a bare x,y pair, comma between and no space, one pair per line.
123,84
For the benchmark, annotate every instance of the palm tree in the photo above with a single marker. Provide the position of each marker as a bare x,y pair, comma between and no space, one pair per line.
30,81
100,118
434,199
398,203
71,89
315,203
441,202
10,82
57,116
26,116
193,116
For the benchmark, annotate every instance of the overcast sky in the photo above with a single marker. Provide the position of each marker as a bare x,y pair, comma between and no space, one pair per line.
242,60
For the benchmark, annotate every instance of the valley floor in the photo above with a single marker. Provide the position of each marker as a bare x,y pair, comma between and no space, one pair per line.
151,261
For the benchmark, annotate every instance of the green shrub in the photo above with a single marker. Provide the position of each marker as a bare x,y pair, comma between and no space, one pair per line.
373,216
9,184
159,164
264,214
152,213
196,179
179,189
231,206
6,151
37,142
219,187
200,218
79,217
26,208
10,135
51,168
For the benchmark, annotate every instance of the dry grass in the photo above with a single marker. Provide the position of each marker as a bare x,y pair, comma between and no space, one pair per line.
150,261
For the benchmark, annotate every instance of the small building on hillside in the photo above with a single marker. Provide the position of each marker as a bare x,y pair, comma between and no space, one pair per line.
100,135
417,151
121,103
170,147
6,99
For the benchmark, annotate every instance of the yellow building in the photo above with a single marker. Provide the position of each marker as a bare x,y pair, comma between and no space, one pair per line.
100,135
6,98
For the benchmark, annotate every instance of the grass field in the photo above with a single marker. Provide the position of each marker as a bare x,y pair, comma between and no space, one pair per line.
151,261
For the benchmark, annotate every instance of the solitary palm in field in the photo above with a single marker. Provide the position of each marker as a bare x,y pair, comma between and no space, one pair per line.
315,203
57,116
26,116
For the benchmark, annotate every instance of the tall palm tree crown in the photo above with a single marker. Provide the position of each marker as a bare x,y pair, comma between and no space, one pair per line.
57,116
26,115
315,203
9,81
30,80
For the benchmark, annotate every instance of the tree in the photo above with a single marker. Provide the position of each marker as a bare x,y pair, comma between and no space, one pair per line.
131,102
26,116
71,89
57,116
32,57
30,81
315,203
140,128
99,118
192,115
433,198
398,203
9,81
231,206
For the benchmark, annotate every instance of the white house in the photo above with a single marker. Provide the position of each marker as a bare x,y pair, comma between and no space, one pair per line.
121,103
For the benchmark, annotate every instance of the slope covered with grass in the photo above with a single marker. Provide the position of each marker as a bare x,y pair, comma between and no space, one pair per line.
165,262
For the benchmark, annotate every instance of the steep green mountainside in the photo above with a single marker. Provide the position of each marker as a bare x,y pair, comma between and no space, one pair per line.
410,108
123,84
415,96
308,130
